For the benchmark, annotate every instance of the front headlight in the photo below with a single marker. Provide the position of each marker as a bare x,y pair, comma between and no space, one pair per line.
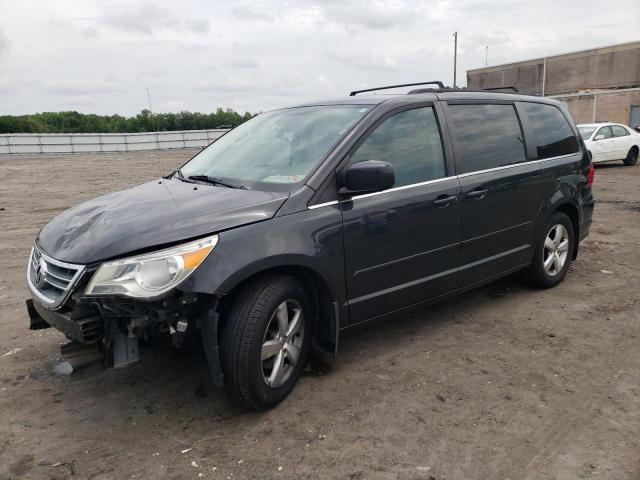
152,274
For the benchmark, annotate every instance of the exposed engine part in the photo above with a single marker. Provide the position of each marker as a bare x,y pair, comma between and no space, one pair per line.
181,325
125,349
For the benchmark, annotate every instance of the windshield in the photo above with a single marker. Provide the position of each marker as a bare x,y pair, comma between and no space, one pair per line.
585,132
279,147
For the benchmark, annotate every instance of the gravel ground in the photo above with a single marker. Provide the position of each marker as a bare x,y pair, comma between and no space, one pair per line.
503,382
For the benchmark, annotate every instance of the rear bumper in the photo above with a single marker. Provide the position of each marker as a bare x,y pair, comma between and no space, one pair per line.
85,330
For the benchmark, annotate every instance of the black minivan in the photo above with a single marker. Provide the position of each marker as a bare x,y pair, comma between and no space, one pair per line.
305,221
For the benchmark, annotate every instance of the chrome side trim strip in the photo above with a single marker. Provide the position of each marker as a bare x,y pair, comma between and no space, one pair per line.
403,187
326,204
496,169
514,165
437,180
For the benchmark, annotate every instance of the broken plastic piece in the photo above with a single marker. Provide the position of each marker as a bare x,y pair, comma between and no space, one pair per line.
125,350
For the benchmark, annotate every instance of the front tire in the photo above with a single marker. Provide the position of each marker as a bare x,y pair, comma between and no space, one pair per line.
632,157
554,252
266,340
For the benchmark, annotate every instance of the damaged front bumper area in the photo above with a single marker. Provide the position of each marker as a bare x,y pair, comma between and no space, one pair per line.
114,326
111,326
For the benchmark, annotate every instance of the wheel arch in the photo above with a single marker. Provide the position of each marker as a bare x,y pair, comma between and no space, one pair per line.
571,211
325,337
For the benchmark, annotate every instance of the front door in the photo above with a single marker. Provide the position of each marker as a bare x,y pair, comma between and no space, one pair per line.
401,245
602,147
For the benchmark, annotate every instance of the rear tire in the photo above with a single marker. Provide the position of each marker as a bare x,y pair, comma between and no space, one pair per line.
632,157
266,339
554,252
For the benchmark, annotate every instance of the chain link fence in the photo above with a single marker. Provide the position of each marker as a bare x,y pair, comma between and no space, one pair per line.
105,142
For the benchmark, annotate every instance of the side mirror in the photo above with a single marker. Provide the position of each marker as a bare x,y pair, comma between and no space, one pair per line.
367,177
599,137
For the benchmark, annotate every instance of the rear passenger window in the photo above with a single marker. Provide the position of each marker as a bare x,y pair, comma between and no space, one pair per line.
410,141
619,131
487,136
552,134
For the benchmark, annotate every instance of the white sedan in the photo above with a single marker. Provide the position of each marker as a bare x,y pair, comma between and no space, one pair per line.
610,141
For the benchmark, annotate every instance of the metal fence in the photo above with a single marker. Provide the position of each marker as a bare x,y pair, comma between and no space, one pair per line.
105,142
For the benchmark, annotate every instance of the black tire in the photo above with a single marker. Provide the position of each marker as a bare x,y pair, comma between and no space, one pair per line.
539,276
244,332
632,157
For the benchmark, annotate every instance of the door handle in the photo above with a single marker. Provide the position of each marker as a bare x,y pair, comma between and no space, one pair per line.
478,193
444,201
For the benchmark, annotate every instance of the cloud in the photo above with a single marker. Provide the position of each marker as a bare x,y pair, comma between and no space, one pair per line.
4,44
348,14
252,11
254,55
242,63
197,25
148,19
367,61
80,87
374,15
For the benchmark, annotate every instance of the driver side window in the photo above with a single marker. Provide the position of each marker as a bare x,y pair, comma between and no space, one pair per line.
606,131
410,141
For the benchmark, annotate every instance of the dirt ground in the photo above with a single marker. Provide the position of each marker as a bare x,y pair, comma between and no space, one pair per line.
506,382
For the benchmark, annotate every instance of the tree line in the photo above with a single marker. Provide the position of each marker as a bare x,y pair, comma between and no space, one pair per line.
145,121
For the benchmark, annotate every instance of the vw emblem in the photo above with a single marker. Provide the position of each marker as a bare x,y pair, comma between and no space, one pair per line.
41,273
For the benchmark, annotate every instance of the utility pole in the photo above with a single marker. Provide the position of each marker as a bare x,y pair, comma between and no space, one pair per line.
153,122
486,56
151,110
544,74
455,57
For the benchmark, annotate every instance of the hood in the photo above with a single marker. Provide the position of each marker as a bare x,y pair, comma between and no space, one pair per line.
153,214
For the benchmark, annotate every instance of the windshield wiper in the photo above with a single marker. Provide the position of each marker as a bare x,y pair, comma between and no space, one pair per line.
215,181
178,174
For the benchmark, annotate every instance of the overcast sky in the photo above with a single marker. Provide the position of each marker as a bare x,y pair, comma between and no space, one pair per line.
99,56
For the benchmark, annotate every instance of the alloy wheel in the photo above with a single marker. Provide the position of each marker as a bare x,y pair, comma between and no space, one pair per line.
282,343
556,250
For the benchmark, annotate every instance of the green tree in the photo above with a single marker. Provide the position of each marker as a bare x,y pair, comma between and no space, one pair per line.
145,121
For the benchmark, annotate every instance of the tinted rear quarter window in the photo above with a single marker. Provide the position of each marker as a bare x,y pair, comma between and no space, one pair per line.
552,133
487,136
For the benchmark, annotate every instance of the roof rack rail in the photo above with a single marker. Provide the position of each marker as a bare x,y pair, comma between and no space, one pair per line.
495,89
435,90
437,82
